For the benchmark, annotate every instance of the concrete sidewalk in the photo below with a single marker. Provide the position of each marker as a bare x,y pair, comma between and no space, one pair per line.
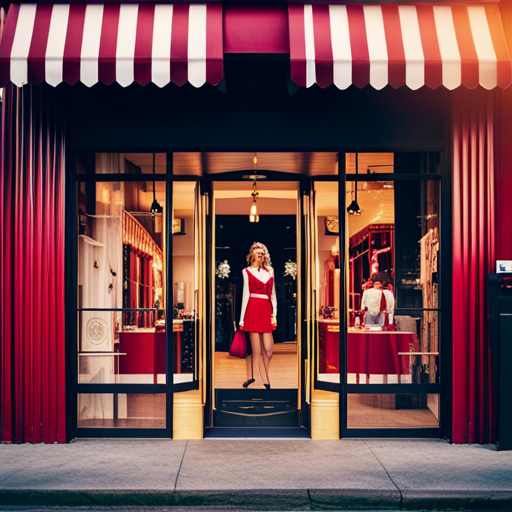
265,473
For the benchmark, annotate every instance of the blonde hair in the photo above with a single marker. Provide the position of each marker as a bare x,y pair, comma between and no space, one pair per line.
250,257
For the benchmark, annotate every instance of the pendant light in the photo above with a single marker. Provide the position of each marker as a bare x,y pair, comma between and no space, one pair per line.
353,208
156,209
253,212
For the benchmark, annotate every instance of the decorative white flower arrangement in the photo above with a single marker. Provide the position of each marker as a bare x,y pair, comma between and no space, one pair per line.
223,270
290,269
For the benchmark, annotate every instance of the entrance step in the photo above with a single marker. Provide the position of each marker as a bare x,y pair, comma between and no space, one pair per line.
256,408
257,433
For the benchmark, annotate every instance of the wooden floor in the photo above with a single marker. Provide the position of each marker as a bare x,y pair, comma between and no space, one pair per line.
379,411
232,372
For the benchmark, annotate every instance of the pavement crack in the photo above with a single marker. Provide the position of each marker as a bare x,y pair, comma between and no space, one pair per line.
400,504
311,506
179,469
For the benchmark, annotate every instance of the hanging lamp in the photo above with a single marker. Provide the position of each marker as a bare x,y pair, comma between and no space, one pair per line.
156,208
353,208
253,212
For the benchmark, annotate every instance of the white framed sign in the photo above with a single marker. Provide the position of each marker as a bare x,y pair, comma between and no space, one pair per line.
504,267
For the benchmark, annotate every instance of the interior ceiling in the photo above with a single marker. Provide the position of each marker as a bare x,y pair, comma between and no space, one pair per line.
377,206
198,164
374,198
279,198
307,163
369,162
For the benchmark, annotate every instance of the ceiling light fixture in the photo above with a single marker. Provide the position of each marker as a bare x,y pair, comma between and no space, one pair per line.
253,212
156,209
353,208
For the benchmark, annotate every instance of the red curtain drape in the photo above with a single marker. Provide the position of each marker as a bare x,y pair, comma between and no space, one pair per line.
474,114
32,342
504,156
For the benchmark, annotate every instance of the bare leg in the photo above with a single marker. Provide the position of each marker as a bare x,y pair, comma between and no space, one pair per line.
257,355
268,351
249,368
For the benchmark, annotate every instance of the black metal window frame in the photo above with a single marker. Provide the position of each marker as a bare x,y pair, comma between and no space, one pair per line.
443,388
74,387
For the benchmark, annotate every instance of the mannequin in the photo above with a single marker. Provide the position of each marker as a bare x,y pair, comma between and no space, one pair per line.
259,310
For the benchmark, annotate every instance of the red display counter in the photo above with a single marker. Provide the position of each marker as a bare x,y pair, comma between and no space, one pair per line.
368,352
144,351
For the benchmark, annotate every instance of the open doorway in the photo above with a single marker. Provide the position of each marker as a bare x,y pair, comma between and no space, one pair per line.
233,235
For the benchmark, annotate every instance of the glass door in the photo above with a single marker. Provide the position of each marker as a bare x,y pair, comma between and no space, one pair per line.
322,307
240,398
188,283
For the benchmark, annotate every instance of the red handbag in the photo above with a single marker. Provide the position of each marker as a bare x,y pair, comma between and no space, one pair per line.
238,346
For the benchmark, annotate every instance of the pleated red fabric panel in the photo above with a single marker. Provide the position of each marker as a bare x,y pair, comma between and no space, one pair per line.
504,191
32,342
473,166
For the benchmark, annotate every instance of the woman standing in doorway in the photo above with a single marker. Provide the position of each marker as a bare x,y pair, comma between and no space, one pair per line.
259,309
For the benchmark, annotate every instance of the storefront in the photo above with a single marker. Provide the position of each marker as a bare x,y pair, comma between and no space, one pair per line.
370,137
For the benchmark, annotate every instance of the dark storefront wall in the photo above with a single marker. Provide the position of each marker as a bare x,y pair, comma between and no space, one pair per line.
172,119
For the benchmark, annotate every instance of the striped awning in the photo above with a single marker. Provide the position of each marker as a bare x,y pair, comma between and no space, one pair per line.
400,45
111,42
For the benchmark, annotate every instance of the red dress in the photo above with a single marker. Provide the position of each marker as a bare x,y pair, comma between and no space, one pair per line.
259,307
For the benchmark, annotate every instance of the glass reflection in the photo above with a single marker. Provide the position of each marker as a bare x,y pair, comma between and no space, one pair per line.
121,306
121,410
404,410
185,278
329,280
393,288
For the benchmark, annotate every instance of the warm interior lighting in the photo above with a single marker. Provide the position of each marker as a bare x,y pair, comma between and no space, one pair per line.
253,212
255,159
354,208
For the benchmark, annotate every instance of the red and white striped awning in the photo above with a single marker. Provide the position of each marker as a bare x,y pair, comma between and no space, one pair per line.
110,42
411,45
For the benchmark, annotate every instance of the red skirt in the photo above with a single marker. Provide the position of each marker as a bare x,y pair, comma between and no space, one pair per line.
258,316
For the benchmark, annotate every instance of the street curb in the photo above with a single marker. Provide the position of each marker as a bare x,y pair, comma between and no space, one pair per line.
292,499
457,500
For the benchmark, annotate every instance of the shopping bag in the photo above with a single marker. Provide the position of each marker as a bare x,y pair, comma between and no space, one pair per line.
238,346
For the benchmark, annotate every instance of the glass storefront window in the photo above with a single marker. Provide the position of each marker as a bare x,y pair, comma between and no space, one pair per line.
403,410
120,410
185,281
121,163
393,286
328,280
121,284
393,163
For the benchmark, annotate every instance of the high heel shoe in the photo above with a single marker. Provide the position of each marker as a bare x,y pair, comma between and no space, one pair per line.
247,383
267,386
